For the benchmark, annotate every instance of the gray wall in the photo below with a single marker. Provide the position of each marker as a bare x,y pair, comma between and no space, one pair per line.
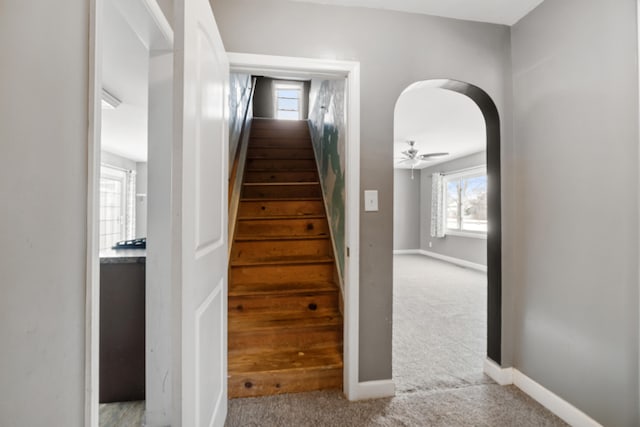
44,48
263,97
406,209
576,131
465,248
411,48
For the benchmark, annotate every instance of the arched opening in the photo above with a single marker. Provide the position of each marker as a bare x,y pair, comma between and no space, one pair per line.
485,125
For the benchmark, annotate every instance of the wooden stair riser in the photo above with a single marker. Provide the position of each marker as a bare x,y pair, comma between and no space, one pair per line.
261,123
280,153
282,227
279,248
279,142
275,191
281,273
281,165
317,305
299,132
280,208
282,288
300,339
269,383
309,176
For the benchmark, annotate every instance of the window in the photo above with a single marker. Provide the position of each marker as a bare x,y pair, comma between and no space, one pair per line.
466,202
116,206
288,98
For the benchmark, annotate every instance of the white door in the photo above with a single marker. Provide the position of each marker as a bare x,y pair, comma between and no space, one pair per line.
200,218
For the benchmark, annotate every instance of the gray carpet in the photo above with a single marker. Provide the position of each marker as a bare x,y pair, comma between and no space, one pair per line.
439,324
439,348
121,414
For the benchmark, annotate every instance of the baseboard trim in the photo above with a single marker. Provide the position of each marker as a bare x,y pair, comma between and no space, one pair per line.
406,252
554,403
374,390
452,260
563,409
503,376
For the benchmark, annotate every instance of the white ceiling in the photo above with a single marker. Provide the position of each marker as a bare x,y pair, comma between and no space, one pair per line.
506,12
439,120
124,75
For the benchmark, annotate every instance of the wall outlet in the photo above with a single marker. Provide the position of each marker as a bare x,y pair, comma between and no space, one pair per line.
430,244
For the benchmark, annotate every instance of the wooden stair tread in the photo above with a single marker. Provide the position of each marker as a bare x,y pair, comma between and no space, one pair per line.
288,199
286,260
281,288
282,184
279,217
322,358
258,238
272,170
281,322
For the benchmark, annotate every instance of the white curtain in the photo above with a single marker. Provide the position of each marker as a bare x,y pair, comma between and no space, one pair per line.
437,205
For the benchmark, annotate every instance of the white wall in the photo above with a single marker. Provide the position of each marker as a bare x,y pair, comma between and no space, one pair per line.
117,161
239,92
141,199
465,248
44,48
406,209
158,343
576,130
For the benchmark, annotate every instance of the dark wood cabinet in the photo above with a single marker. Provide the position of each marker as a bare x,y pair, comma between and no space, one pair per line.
122,329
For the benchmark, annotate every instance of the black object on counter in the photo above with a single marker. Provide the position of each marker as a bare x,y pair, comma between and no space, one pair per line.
131,244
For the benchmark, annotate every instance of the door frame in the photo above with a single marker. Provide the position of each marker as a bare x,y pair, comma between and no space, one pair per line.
159,37
491,117
287,66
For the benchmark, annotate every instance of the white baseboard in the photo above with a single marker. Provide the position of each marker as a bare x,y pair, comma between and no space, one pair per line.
563,409
503,376
457,261
406,252
554,403
374,390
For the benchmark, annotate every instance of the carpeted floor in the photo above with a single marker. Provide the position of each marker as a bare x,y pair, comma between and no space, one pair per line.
439,324
121,414
438,351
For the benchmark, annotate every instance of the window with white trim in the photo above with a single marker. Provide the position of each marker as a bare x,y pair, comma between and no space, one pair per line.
288,101
117,205
466,202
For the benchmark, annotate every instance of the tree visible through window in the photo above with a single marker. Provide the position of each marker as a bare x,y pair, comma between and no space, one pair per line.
466,202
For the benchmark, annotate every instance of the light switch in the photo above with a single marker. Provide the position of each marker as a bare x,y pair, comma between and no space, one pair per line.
371,200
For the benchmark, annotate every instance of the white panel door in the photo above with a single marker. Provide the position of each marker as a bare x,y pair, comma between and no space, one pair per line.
200,215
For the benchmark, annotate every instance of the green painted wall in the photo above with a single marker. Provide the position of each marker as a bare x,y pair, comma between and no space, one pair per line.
327,125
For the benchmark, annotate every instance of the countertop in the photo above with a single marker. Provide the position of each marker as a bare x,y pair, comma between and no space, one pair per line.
120,256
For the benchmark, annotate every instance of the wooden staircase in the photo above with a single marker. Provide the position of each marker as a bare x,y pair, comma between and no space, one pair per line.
285,325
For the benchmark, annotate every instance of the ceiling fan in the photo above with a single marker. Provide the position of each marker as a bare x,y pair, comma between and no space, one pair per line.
411,155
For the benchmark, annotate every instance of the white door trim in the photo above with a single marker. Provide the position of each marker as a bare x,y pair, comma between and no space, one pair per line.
92,312
286,66
159,38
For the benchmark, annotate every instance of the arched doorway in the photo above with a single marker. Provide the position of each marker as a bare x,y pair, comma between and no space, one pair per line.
488,114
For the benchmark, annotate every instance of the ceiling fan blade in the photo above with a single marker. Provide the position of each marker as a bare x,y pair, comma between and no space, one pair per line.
432,156
403,161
